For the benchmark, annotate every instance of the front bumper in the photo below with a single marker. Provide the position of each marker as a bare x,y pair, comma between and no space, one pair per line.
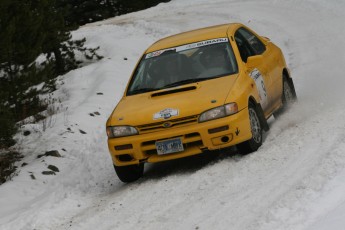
196,138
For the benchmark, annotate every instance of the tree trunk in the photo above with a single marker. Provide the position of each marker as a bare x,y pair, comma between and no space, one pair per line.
59,62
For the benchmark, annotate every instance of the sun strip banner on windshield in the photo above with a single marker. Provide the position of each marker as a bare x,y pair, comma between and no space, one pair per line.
188,46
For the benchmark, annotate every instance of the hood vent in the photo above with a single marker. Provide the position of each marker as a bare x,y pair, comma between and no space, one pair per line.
173,91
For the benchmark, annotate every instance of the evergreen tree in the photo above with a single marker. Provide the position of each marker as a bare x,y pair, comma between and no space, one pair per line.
127,6
29,29
58,44
20,44
21,35
80,12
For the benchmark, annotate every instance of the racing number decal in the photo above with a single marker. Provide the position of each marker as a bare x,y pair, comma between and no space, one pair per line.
260,85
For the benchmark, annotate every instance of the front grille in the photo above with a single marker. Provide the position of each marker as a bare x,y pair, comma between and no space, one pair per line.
167,124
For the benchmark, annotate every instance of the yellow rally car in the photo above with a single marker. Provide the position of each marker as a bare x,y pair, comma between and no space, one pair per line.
200,90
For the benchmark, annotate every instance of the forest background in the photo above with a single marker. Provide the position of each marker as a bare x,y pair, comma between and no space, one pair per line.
36,47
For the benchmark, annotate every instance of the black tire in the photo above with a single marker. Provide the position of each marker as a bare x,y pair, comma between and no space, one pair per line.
288,96
129,173
256,128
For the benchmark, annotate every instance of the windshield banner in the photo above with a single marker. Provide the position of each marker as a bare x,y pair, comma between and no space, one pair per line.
188,46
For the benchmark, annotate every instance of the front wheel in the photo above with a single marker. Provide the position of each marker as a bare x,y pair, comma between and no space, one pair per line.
288,96
255,125
129,173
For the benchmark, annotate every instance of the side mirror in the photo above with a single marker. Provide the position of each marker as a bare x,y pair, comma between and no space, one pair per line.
254,61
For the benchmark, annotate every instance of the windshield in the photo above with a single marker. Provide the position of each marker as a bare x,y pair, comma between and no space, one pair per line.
182,65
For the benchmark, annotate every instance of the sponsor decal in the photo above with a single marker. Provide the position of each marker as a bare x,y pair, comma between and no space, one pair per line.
212,41
166,114
187,47
260,85
156,53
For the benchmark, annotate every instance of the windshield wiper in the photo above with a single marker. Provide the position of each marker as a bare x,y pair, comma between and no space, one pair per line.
141,90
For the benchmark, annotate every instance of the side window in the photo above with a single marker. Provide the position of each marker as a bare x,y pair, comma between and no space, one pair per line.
243,46
253,41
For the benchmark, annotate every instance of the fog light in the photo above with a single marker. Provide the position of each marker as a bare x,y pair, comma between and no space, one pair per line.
225,139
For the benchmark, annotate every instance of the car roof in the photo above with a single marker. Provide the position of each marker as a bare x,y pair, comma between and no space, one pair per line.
187,37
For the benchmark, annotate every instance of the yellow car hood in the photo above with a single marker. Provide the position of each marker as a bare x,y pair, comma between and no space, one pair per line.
182,101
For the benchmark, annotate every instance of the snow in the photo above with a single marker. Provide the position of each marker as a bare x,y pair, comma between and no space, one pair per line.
294,181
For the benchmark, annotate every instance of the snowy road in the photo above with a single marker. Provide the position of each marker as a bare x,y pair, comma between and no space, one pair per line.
294,181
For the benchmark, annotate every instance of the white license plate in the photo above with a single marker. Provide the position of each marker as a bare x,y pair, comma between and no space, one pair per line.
169,146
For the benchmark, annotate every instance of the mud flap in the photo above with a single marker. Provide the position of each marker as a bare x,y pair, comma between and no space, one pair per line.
292,87
262,118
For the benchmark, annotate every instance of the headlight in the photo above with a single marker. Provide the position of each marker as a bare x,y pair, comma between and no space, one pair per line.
219,112
121,131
